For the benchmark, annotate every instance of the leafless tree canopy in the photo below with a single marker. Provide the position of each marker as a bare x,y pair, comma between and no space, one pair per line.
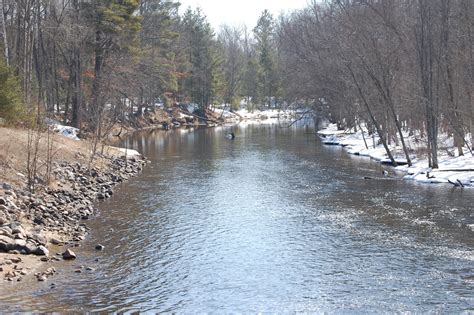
391,66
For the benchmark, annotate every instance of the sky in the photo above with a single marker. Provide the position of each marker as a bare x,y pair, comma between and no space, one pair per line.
239,12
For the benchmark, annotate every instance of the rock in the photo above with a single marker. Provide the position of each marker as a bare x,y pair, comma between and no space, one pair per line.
20,243
40,239
50,271
3,201
89,269
55,241
69,255
78,271
99,247
19,236
16,260
6,243
30,247
44,259
18,229
6,186
41,278
5,231
10,193
42,251
39,220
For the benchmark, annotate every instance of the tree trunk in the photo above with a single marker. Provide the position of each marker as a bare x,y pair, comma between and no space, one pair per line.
6,51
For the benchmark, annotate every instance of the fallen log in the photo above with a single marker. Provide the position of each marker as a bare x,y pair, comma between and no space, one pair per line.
456,184
380,178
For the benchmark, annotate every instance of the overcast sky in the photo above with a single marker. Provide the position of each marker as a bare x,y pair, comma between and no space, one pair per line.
238,12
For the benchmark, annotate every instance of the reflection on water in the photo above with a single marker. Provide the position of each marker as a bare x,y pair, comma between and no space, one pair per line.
273,222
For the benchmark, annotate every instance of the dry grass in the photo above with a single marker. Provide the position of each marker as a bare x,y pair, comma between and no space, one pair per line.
13,154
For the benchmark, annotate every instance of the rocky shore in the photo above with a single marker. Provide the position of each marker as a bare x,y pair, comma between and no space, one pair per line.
55,215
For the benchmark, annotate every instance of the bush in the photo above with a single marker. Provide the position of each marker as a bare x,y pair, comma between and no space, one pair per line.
12,108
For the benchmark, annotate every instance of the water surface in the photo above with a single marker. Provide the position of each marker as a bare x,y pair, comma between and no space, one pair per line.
272,221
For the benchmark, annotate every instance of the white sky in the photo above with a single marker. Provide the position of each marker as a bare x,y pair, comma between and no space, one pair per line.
238,12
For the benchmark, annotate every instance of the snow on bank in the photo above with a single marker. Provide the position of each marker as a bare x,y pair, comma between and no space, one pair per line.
71,132
456,170
67,131
268,116
129,153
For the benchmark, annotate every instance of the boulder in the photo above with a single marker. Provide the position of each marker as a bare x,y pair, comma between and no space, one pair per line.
99,247
69,255
42,251
40,239
5,230
30,247
20,243
6,243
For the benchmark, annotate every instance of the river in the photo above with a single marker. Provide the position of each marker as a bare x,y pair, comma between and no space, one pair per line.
272,221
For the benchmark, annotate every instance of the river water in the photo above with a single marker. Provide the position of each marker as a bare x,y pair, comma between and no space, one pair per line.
272,221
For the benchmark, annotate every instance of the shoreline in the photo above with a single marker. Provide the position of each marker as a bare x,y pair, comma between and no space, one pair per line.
55,216
453,170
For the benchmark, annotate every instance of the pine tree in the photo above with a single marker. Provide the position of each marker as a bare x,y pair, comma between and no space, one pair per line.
11,105
204,79
264,34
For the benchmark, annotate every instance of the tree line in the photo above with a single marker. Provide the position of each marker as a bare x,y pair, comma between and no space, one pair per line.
86,60
399,67
392,67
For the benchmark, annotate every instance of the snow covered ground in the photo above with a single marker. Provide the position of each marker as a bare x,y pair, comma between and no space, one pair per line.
67,131
453,169
128,153
269,116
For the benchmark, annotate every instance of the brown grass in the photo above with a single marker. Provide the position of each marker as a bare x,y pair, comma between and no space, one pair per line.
13,154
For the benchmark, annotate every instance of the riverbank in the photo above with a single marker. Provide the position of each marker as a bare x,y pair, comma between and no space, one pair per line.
37,228
453,169
55,214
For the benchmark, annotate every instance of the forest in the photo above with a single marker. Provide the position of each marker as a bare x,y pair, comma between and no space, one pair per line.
394,68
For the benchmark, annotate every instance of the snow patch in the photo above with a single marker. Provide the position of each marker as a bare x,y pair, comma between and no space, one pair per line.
453,169
67,131
129,153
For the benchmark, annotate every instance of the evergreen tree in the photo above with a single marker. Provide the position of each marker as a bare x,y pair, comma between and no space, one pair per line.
158,53
264,34
11,104
203,80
